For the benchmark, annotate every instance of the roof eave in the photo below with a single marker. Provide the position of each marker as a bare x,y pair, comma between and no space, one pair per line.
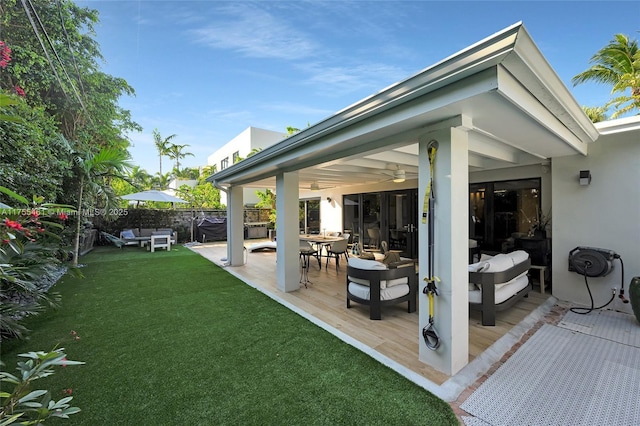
471,60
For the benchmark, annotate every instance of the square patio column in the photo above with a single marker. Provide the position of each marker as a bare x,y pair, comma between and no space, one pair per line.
235,226
451,191
287,232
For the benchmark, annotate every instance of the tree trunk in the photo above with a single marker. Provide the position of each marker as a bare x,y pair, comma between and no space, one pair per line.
76,248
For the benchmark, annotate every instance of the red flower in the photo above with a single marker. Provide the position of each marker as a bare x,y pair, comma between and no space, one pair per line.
13,224
19,91
63,216
67,391
35,213
5,55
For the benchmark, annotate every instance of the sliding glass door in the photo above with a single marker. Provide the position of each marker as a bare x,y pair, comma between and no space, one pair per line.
384,216
501,211
309,214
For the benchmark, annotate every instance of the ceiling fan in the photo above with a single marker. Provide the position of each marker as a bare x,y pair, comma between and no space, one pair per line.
316,187
399,175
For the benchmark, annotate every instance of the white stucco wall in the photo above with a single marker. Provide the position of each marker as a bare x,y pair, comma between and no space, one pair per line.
250,138
604,214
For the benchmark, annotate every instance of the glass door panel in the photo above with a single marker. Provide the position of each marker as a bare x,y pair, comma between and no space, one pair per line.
402,215
371,220
309,214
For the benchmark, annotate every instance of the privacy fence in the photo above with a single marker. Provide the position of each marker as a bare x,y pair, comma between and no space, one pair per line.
184,221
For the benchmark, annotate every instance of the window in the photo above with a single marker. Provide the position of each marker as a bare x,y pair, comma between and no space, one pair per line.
236,157
502,210
224,163
310,216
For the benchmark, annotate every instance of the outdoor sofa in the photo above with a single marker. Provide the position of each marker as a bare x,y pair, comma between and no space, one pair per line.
142,236
375,284
498,282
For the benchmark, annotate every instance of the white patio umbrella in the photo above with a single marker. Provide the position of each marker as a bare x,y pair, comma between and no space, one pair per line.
153,195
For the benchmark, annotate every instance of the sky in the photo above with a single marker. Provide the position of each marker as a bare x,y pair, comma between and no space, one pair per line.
206,70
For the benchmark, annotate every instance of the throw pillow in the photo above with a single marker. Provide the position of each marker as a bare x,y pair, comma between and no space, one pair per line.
128,234
391,257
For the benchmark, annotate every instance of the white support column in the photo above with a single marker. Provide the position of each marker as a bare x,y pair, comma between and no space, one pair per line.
288,235
451,191
235,226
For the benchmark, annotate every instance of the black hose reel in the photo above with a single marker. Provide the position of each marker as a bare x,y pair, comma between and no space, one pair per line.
591,261
595,262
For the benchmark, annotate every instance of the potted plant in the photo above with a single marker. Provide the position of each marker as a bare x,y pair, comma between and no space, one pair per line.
539,226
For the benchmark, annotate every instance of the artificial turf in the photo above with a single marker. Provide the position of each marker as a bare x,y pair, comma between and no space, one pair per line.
169,338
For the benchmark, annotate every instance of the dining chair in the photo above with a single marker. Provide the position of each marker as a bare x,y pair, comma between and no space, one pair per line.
337,249
374,237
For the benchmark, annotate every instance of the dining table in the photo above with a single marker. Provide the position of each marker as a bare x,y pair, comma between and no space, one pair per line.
319,241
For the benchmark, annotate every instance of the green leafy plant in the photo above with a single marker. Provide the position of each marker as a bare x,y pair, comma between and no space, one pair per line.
31,407
268,201
30,252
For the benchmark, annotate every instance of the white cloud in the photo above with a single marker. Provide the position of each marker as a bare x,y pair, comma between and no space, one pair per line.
345,79
255,33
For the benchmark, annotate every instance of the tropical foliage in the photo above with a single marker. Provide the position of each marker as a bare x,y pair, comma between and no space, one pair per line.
618,65
268,201
30,255
62,135
162,145
28,406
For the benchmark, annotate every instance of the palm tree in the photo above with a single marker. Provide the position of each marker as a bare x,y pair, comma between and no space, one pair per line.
160,181
93,171
162,145
617,64
139,177
595,114
175,153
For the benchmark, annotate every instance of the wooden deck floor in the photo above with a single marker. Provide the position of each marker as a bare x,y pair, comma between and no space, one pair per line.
396,336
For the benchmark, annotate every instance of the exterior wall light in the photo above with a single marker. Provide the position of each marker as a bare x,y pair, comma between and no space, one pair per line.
585,177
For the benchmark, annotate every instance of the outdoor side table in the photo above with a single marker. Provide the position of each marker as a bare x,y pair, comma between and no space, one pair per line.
160,241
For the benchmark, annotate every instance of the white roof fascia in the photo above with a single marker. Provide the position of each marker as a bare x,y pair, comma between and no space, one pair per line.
512,89
626,124
536,74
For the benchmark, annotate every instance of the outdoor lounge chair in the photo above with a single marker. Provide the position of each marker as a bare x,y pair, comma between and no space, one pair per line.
497,283
375,284
118,242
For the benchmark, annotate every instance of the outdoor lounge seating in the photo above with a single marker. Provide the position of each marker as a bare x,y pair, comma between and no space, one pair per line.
118,242
375,284
142,236
497,283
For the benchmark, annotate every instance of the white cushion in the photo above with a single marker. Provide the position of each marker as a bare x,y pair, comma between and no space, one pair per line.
367,264
504,292
501,262
390,293
373,265
383,284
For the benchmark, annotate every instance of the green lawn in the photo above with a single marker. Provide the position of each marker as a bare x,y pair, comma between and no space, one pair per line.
172,339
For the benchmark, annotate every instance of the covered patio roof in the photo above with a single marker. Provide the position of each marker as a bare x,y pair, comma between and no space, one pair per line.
501,90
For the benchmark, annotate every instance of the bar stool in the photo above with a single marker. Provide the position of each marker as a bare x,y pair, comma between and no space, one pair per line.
306,251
